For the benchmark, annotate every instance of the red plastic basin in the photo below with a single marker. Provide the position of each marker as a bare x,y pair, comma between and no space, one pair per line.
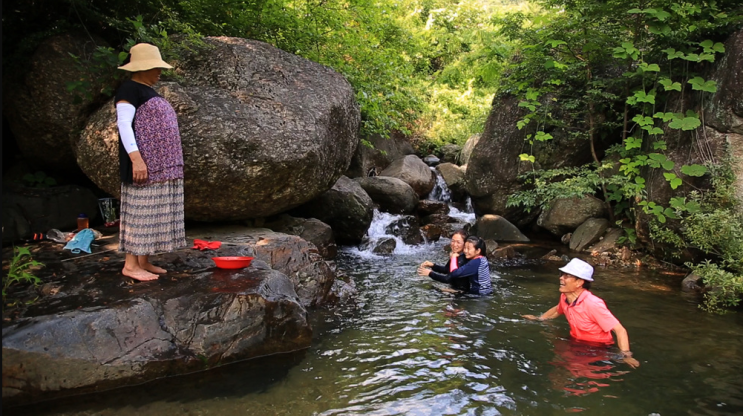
232,262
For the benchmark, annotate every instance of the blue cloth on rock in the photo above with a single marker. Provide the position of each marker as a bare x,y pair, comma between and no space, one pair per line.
81,241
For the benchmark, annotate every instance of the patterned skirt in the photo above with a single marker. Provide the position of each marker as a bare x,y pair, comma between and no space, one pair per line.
152,218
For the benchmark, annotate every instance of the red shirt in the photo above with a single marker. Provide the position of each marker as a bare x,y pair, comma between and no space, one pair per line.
589,318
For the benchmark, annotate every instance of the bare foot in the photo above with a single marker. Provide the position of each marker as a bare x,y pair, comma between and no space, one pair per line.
152,268
139,274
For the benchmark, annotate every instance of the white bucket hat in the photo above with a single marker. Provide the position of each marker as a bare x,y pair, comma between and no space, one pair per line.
579,269
145,57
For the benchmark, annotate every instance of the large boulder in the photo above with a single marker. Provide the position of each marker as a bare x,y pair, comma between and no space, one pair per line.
497,228
391,194
44,115
453,176
173,326
37,210
413,171
346,207
566,214
377,151
493,167
287,129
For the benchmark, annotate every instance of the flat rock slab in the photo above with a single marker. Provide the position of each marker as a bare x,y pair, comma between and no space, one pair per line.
96,330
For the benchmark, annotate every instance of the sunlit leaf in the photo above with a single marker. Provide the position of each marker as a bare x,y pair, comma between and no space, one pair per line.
686,123
694,170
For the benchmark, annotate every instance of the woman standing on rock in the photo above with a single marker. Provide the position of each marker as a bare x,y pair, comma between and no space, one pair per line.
151,167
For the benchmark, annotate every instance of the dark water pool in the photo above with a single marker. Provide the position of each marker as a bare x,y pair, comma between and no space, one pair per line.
410,349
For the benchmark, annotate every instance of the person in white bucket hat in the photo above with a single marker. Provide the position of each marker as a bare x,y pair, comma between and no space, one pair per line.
151,167
589,318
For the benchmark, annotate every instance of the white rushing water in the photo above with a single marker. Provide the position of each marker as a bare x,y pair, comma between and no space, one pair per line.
381,227
379,231
440,191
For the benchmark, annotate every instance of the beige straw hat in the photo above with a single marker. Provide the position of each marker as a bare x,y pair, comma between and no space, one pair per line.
144,57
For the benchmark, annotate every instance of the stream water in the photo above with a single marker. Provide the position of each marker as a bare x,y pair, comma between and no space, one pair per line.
407,348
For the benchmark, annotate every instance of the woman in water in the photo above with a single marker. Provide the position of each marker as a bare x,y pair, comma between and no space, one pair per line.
456,260
476,271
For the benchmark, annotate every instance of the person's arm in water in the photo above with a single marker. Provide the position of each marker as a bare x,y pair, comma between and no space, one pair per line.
550,314
623,344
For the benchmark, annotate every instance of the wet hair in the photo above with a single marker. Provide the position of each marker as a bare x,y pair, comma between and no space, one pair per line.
478,243
462,233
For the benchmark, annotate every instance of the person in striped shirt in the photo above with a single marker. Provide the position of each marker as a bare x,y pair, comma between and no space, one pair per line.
476,272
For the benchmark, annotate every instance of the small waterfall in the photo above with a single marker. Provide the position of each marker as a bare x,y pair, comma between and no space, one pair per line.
381,235
378,233
440,191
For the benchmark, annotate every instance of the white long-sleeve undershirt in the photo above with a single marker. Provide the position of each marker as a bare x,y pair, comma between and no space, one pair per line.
124,117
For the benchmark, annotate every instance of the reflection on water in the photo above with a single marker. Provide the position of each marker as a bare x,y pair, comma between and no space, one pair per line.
408,348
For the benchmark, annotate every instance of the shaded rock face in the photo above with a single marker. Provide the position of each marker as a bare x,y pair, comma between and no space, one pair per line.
29,210
287,129
172,326
391,194
413,171
609,242
432,232
43,114
588,233
383,152
428,207
454,177
450,153
493,167
346,207
566,214
497,228
309,229
723,113
407,228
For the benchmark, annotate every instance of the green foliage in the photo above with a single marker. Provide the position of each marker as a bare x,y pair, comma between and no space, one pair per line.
711,222
18,270
724,288
38,180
